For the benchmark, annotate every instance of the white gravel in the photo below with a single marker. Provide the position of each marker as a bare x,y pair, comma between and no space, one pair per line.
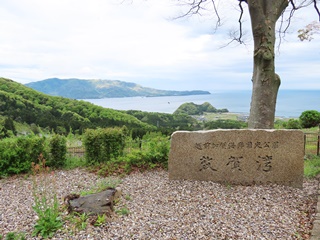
163,209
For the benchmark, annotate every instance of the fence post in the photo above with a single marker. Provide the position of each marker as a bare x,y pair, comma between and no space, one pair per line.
318,142
305,142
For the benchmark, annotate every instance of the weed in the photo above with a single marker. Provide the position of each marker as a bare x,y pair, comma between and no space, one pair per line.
14,236
101,219
228,186
80,220
102,185
123,211
128,198
46,204
73,162
312,166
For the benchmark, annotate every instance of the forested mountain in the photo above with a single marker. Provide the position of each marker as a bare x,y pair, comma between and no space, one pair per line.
23,104
91,89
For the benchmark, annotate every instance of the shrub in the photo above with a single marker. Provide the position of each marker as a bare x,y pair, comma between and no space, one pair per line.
312,166
225,124
58,151
310,118
102,145
293,124
153,152
17,154
156,147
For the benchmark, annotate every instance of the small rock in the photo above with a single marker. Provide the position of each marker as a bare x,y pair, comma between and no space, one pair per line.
98,203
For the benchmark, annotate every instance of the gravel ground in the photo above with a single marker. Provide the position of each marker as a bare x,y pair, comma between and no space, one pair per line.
163,209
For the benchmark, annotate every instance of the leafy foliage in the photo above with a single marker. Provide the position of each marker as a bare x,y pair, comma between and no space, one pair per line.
293,124
149,152
102,185
312,166
58,151
7,128
23,104
225,124
310,118
104,144
17,154
194,109
14,236
166,123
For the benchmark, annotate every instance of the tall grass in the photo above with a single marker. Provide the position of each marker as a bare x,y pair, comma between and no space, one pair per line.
312,166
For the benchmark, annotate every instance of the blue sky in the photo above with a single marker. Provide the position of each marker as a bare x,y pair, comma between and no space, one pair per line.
138,41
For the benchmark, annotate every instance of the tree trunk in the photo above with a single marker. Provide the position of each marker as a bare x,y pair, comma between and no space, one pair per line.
265,82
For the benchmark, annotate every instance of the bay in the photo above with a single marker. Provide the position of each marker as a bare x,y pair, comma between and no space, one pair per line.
290,103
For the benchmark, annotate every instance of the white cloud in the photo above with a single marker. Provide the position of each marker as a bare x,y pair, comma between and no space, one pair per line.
138,42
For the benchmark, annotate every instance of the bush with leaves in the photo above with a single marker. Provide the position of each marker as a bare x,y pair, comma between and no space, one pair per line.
17,154
7,128
104,144
156,146
310,118
293,124
58,151
225,124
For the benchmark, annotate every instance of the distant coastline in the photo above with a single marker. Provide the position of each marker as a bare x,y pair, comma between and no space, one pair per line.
290,103
97,89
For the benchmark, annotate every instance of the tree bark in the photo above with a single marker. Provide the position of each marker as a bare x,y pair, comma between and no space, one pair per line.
265,82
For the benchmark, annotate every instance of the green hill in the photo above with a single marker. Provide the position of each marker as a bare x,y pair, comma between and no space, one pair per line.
91,89
25,105
195,109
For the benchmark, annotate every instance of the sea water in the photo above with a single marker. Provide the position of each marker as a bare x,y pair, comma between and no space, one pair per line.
290,103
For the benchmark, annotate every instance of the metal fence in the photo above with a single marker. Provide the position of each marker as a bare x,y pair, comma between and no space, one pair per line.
76,151
311,143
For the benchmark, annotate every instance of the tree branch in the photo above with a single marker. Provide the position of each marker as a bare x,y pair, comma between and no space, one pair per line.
195,7
303,4
240,21
316,7
218,24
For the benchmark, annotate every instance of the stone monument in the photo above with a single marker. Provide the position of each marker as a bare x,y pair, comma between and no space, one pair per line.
238,156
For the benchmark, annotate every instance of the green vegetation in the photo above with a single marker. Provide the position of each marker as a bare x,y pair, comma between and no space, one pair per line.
14,236
115,143
310,118
79,220
123,211
194,109
25,105
89,89
46,204
102,185
101,219
17,154
165,123
149,152
312,166
58,151
293,124
104,144
225,124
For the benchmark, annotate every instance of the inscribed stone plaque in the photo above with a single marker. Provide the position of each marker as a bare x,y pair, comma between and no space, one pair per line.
238,156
